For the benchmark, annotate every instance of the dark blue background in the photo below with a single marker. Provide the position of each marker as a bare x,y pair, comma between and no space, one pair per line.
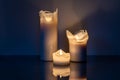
19,24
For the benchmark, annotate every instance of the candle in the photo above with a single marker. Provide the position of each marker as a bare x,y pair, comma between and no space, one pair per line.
61,58
77,45
48,34
61,71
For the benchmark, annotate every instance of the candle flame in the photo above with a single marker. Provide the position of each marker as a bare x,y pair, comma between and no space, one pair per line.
61,52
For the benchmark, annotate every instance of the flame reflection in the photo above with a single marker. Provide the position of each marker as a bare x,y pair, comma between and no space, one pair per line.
75,71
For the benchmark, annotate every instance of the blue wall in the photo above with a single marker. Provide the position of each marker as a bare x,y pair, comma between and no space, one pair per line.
19,24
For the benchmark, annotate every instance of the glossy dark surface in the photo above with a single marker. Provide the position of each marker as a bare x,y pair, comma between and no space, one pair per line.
31,68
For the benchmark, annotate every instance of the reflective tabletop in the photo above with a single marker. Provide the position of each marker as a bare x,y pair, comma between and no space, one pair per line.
31,68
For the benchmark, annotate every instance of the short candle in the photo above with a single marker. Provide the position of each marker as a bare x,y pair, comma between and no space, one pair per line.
61,58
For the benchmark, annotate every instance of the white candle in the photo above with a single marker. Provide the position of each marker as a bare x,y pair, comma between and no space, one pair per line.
61,58
48,34
62,71
77,45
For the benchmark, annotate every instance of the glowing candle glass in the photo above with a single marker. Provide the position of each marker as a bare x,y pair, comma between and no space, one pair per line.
61,58
48,34
77,45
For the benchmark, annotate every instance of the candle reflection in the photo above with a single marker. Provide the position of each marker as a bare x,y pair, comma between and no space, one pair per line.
74,71
78,71
61,71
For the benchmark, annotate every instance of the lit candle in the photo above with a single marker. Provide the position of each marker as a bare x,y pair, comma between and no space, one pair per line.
77,45
62,71
61,58
48,34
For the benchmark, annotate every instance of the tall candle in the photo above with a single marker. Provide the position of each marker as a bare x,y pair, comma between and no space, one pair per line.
61,58
77,45
48,34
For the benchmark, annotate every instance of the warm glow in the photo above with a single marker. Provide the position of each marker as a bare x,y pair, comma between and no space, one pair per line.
77,44
61,52
48,17
80,37
77,37
61,71
61,58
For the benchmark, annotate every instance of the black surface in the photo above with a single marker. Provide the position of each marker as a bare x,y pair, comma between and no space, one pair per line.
31,68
